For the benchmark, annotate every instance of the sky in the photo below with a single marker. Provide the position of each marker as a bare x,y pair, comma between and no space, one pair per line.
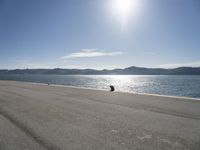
99,34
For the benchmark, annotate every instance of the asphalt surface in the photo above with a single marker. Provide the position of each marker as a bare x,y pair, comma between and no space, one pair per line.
35,117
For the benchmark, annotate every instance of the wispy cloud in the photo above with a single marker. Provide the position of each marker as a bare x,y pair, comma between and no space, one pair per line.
84,53
23,63
188,64
150,53
23,66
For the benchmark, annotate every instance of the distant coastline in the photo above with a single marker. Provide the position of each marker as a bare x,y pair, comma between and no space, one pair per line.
126,71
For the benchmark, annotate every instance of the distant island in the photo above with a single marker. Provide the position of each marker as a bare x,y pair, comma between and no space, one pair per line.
126,71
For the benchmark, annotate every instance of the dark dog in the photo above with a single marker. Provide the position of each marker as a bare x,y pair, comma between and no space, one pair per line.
112,88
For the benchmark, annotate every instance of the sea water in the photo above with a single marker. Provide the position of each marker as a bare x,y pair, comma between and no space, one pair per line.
174,85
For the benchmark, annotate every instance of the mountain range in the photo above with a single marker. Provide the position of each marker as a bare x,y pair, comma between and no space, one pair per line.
126,71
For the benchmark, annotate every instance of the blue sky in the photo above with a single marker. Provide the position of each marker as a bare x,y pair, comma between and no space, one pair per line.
99,33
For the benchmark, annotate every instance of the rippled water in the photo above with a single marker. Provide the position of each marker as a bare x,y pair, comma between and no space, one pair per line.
188,86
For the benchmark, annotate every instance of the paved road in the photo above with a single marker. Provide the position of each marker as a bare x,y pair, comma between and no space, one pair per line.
45,117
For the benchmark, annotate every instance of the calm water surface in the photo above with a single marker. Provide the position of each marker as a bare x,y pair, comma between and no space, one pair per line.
188,86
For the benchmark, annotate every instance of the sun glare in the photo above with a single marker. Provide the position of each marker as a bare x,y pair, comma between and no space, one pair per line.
123,10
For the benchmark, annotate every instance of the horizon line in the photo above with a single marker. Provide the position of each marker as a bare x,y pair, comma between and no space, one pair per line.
104,68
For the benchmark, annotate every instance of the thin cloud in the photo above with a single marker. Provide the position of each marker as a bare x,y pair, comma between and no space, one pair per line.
189,64
24,66
150,53
86,53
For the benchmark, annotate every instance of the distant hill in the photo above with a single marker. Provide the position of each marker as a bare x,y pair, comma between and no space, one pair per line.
126,71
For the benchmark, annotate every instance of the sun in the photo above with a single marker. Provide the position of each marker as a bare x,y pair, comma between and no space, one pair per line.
123,10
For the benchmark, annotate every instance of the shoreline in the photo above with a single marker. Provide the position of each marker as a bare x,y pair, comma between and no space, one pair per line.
95,89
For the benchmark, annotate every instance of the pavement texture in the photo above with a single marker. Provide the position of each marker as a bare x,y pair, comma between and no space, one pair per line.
36,116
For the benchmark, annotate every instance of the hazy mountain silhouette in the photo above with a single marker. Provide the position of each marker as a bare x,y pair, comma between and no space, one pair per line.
126,71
